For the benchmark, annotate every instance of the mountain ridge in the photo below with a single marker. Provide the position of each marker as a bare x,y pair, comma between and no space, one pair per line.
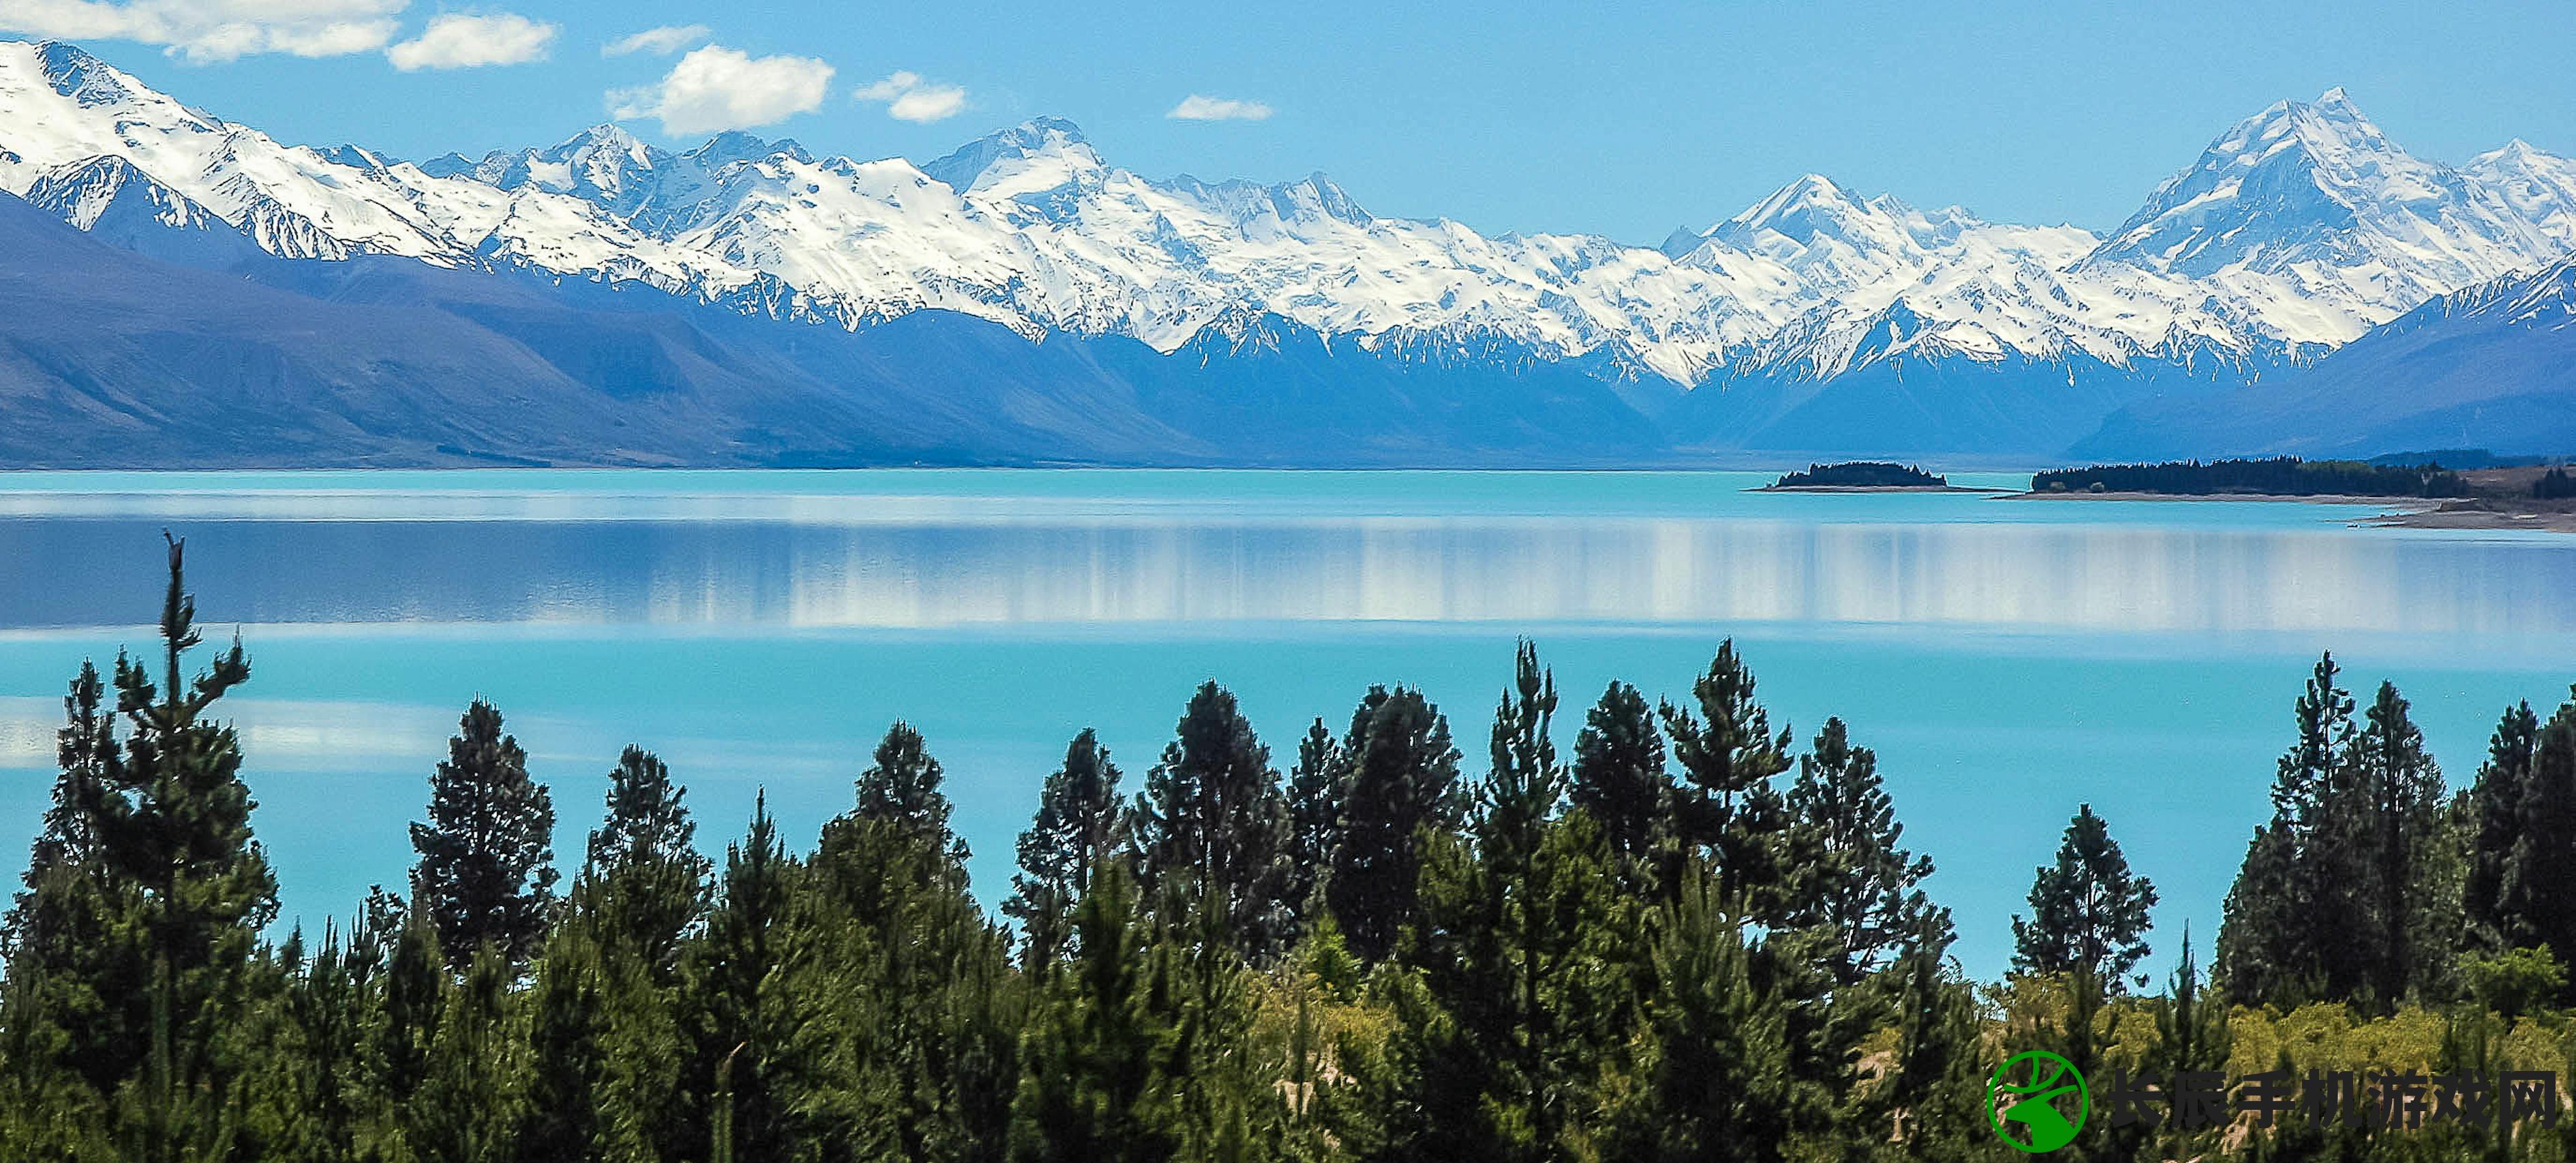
1813,313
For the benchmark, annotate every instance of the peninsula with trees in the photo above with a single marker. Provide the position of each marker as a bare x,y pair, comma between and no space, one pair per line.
2425,493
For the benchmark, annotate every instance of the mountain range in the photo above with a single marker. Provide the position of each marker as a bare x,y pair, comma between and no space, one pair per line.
180,289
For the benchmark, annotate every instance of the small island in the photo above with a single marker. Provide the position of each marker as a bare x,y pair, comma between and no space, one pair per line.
1857,476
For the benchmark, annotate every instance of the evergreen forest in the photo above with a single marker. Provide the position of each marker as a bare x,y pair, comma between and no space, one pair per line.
1690,935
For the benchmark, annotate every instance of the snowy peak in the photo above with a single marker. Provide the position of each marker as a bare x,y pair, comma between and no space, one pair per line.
649,188
1313,201
1820,228
734,145
2539,187
2330,134
1811,205
82,77
2316,194
603,164
355,157
86,192
120,204
1041,146
596,155
1315,198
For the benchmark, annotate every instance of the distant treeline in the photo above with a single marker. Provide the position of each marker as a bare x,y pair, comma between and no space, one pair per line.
1861,474
1691,939
2554,485
2459,458
2279,476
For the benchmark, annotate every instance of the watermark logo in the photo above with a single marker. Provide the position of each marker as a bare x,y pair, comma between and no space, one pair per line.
2037,1101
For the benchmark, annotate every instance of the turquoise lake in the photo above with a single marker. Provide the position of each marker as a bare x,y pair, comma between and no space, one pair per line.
2008,659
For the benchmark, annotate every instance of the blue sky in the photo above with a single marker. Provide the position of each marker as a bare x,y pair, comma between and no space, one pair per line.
1623,119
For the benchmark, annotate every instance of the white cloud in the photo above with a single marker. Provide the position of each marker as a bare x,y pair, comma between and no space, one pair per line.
1196,107
660,42
459,41
893,86
716,88
210,31
909,98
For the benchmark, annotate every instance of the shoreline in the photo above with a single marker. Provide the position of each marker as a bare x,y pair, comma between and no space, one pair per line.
2307,498
1876,489
2472,513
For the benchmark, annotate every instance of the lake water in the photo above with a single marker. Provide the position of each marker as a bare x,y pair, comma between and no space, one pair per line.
2008,659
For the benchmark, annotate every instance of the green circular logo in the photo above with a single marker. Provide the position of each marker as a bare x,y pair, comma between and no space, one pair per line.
2036,1101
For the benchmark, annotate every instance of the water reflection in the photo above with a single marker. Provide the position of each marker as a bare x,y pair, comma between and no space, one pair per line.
931,572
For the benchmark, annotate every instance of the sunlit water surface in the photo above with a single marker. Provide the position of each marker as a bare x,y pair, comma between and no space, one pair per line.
2008,659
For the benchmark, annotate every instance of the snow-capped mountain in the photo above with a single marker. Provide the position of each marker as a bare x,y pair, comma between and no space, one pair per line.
60,108
2312,219
643,185
2295,232
115,202
2540,188
1871,280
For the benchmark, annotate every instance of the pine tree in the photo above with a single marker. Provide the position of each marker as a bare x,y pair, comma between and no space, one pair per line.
72,834
604,1040
782,1017
903,789
2353,889
1403,777
406,1004
1075,833
471,1101
1520,796
1101,1084
486,871
890,886
2495,809
1315,787
1619,776
77,956
2405,853
1713,1081
330,1003
1932,1091
604,1054
2192,1035
2532,901
644,884
2263,954
2191,1026
569,1074
1848,878
2293,925
894,845
186,843
1524,957
1728,805
2088,912
1212,824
